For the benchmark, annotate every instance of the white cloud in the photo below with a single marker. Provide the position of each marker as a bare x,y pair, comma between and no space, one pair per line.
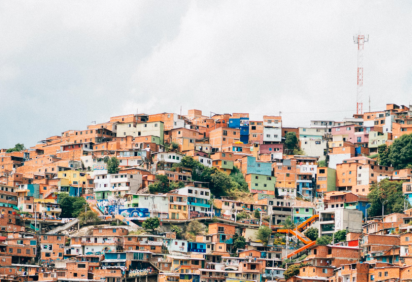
65,64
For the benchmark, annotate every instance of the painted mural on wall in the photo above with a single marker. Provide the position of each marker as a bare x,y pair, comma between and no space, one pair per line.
117,206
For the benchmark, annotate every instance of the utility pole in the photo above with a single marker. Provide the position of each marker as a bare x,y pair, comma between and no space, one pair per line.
360,41
35,218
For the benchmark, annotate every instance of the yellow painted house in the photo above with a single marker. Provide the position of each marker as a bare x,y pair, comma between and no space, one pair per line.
72,178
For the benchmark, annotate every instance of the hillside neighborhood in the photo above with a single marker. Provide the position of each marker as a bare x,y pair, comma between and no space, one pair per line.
211,198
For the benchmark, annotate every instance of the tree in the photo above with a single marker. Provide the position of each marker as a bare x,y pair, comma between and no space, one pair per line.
188,162
17,148
291,271
71,206
176,185
288,223
88,217
177,230
66,205
291,141
324,240
383,155
78,206
221,184
340,236
162,185
312,233
398,155
298,152
113,165
238,177
322,164
174,146
151,223
193,229
196,228
239,242
263,234
386,193
256,214
242,215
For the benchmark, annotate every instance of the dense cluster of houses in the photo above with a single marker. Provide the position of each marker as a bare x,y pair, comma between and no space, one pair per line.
321,182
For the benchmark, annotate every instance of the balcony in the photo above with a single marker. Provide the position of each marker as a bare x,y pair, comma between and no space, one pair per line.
328,228
50,209
198,204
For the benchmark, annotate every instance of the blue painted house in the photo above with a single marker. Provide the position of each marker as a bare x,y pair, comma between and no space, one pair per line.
196,247
114,259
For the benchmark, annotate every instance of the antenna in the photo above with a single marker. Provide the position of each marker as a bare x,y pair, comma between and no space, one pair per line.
360,41
369,103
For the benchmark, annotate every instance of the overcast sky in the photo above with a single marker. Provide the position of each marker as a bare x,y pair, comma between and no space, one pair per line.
64,64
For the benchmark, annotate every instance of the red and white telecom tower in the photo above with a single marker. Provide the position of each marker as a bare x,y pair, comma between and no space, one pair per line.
360,40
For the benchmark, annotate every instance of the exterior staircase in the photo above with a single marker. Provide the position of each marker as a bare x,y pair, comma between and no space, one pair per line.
128,222
301,250
64,227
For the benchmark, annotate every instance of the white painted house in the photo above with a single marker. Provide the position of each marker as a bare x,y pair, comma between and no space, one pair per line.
158,205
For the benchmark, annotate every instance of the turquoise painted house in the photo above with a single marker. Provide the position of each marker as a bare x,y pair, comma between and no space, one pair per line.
254,167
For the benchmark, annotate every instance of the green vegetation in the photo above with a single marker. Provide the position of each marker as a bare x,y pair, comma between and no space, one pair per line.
169,147
291,141
17,148
194,228
177,230
162,185
386,193
298,152
340,236
263,234
242,215
151,223
322,164
293,270
237,177
256,214
398,155
220,184
324,240
71,206
312,233
288,223
88,217
239,242
113,165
